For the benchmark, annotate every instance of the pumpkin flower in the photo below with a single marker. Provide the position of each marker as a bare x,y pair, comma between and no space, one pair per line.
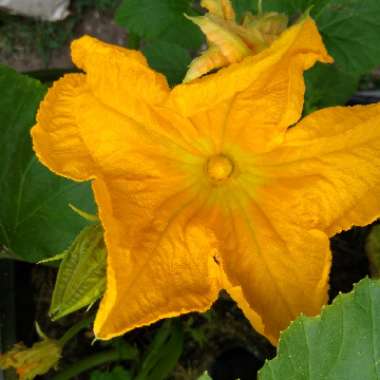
33,361
205,187
230,42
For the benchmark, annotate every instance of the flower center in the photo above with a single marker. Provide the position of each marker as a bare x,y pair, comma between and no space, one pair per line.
219,167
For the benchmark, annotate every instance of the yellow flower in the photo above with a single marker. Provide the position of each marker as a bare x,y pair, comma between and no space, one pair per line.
33,361
205,187
229,42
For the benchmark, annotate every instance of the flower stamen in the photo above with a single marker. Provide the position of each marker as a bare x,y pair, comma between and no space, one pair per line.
219,167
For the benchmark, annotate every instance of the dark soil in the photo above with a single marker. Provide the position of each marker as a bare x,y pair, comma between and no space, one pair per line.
31,45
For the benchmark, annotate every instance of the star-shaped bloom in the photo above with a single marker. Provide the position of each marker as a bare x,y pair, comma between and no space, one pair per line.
205,187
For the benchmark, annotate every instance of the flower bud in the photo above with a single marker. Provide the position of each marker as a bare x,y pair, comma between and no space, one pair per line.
33,361
229,41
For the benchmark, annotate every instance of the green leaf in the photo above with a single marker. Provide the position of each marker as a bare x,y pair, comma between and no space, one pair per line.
293,8
35,220
182,32
169,59
343,343
149,18
350,30
118,373
81,276
163,353
327,86
161,20
242,6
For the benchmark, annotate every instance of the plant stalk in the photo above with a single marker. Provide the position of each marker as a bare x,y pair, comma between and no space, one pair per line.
74,330
94,361
259,7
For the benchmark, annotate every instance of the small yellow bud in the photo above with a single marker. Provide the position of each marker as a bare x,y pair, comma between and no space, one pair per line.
269,25
33,361
230,42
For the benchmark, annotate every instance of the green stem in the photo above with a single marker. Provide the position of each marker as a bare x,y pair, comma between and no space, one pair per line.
133,41
94,361
260,6
74,330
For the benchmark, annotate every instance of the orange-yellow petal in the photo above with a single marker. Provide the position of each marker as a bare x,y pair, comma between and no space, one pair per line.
237,295
119,77
119,89
141,158
80,134
210,59
323,179
256,100
327,173
57,139
79,137
276,270
160,263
